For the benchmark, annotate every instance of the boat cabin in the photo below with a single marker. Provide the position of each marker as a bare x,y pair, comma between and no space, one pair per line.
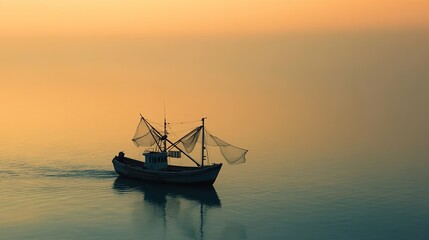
155,160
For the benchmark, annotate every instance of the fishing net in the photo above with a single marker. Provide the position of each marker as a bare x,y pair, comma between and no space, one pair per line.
232,154
191,140
145,137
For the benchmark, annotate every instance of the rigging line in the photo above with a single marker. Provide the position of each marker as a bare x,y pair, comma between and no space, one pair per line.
172,131
184,122
183,130
187,135
207,131
154,122
151,130
179,131
158,125
174,145
208,158
168,140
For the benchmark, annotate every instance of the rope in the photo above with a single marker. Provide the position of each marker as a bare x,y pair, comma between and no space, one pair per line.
184,122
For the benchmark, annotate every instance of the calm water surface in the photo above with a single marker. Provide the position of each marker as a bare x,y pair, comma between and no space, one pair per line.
303,198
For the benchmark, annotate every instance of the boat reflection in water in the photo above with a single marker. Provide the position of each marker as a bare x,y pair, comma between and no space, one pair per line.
171,211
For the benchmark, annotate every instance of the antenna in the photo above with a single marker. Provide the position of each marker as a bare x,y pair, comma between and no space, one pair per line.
164,109
165,129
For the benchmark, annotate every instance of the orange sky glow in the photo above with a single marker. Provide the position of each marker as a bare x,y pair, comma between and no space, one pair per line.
190,17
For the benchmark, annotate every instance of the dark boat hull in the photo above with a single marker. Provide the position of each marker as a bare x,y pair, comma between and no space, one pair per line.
131,168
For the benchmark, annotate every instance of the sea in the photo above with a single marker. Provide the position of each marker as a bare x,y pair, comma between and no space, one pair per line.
335,124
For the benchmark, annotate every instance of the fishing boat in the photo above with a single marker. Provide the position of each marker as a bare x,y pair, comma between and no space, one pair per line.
159,149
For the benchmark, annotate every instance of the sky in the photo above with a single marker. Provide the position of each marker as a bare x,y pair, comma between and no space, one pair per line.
297,76
194,17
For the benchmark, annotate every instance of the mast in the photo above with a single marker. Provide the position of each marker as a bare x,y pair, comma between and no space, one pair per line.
166,139
202,143
165,134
